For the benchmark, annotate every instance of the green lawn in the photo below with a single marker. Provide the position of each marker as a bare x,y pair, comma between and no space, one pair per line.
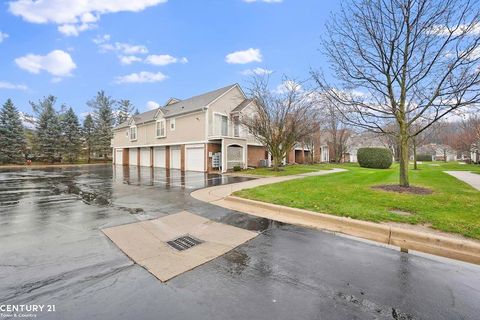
288,170
453,207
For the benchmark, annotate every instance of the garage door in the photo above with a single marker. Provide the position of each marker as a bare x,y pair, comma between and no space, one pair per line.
159,157
132,156
195,158
145,157
118,156
175,157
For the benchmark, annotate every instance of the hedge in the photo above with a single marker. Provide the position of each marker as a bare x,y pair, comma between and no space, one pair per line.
424,157
377,158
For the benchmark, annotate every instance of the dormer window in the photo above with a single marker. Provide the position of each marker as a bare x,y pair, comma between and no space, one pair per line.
161,129
133,133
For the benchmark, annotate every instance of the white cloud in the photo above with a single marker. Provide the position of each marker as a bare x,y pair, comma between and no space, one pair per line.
245,56
266,1
13,86
58,63
256,71
141,77
3,36
288,86
74,16
164,59
151,105
126,60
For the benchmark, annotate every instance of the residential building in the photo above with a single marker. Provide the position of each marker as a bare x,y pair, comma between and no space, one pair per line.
201,133
438,152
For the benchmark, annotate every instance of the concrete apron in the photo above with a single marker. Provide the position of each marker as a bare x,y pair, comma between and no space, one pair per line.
146,242
464,250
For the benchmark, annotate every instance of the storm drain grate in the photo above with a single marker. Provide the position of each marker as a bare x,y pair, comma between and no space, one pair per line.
183,243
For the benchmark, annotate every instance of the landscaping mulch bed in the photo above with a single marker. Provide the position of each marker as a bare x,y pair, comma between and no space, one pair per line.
400,189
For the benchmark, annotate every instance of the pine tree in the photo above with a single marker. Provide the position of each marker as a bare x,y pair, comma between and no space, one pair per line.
88,135
12,138
48,141
103,119
71,135
125,108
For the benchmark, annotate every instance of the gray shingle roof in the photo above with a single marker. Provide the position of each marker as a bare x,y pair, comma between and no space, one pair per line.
183,106
242,105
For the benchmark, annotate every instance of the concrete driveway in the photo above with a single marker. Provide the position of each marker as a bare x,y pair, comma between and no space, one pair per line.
52,252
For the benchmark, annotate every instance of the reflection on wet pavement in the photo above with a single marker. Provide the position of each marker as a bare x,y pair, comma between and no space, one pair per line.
52,251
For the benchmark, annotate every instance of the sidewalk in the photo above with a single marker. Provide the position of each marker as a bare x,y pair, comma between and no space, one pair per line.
404,238
472,179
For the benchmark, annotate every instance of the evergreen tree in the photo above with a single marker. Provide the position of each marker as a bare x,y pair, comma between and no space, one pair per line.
125,108
48,140
88,135
103,119
12,138
71,135
136,111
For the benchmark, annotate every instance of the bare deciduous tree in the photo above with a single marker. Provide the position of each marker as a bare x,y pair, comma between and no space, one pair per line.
282,117
336,128
403,61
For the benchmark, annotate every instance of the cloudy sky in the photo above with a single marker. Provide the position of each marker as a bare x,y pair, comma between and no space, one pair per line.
150,50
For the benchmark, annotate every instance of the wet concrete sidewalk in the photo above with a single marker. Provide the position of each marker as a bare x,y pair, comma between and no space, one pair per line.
53,252
471,178
217,193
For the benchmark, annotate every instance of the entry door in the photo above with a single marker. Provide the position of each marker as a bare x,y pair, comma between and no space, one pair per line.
195,158
175,158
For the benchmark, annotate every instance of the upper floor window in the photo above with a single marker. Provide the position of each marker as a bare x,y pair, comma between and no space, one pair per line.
221,124
133,133
236,126
161,128
172,124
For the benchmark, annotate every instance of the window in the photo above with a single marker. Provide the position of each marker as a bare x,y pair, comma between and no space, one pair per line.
172,124
236,126
161,129
221,125
133,133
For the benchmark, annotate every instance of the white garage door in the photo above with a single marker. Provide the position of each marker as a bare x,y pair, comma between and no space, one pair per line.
195,158
118,156
145,157
159,157
132,157
175,158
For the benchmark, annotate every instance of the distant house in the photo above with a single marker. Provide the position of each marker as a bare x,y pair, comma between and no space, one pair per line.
475,153
365,140
438,152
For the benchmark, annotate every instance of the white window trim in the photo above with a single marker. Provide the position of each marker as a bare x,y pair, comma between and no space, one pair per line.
174,123
164,126
215,124
136,133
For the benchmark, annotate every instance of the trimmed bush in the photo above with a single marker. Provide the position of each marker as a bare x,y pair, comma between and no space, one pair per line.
377,158
424,157
237,168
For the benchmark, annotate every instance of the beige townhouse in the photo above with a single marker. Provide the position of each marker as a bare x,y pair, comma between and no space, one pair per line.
201,133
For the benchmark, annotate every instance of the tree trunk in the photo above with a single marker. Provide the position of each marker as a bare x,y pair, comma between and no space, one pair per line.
404,182
415,167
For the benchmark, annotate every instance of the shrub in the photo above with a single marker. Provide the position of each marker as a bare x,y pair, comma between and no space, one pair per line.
237,168
378,158
424,157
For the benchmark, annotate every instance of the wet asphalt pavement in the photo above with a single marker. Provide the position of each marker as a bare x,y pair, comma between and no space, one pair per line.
53,252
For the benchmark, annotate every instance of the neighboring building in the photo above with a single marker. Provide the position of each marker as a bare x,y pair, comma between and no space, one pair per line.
438,152
364,140
475,153
201,133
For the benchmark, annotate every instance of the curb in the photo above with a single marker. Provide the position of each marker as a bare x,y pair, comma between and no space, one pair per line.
463,250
